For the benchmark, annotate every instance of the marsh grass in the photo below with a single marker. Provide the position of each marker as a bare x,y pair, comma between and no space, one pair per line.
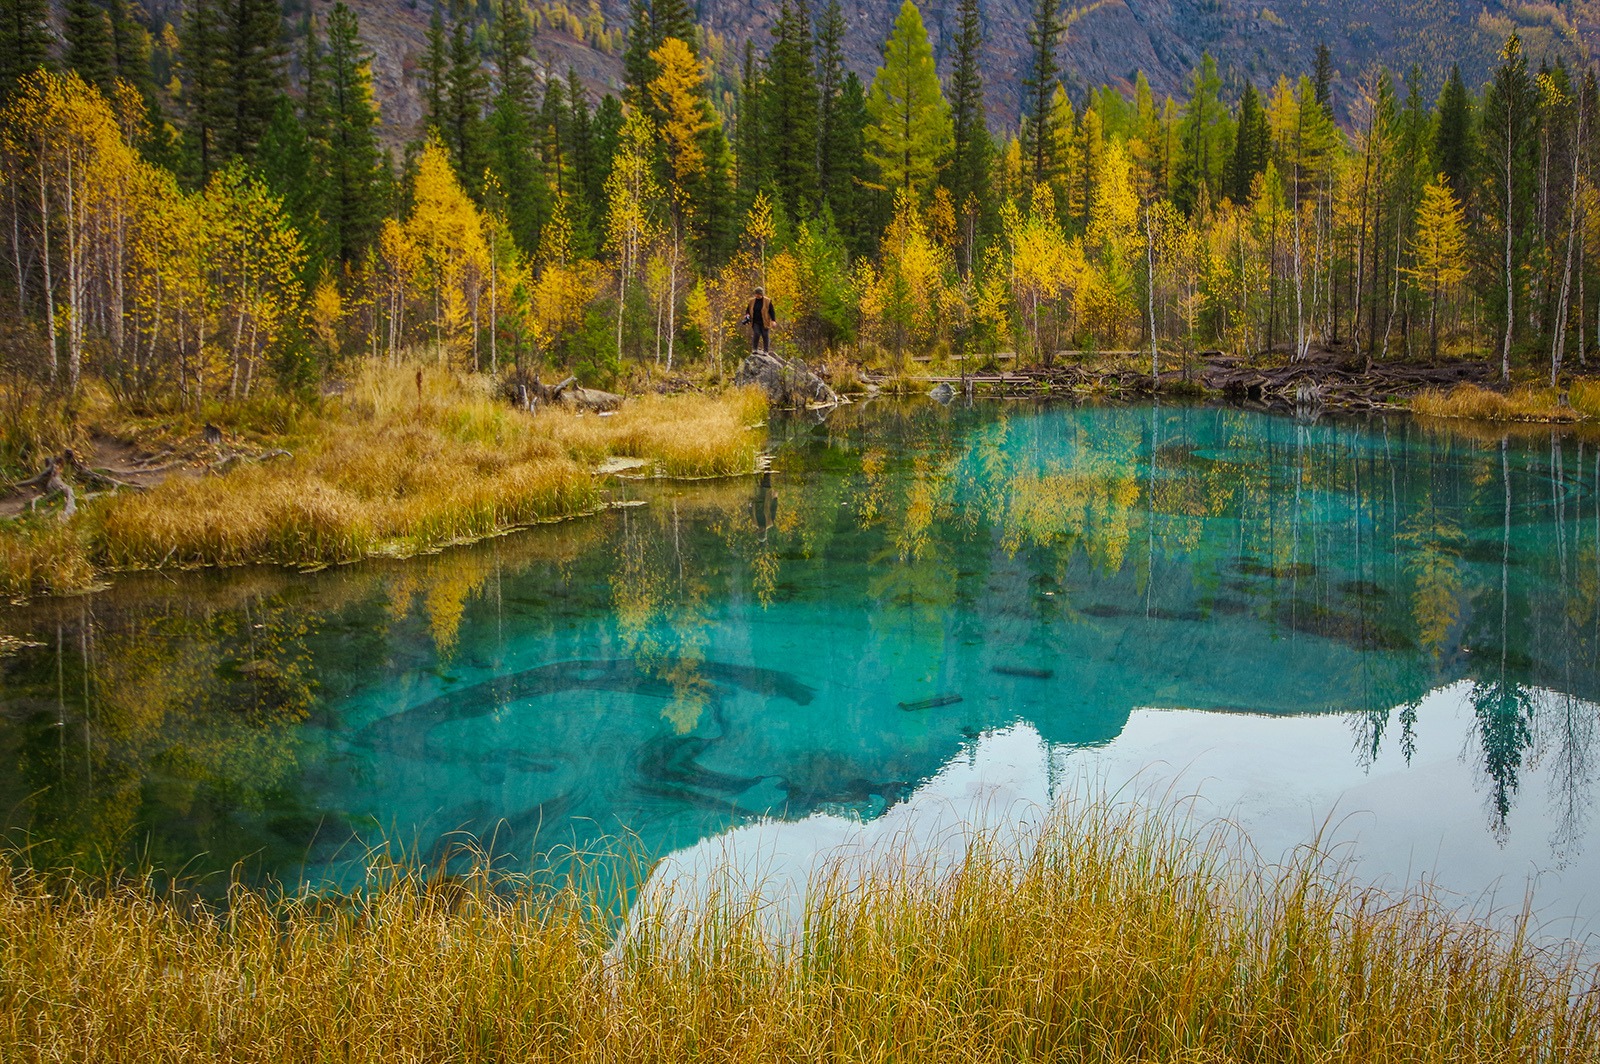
39,553
392,470
685,435
1527,403
1114,936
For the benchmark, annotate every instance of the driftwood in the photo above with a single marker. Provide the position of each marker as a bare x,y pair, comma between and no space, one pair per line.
1318,382
50,483
1356,385
95,476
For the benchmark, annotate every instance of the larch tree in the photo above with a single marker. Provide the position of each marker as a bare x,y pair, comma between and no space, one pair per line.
1439,251
909,128
675,92
631,198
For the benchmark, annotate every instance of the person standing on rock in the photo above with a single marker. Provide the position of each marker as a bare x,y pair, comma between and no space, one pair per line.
760,315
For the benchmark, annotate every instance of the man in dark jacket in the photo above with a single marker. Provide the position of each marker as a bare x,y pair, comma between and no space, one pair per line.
760,315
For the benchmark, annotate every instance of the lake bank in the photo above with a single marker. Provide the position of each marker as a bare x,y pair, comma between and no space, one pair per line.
404,460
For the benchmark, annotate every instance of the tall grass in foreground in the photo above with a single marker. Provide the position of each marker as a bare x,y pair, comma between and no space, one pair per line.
1527,403
401,470
1114,937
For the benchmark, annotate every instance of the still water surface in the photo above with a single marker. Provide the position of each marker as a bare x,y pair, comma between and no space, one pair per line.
1349,617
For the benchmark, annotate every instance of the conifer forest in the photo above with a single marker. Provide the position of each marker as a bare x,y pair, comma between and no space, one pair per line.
207,210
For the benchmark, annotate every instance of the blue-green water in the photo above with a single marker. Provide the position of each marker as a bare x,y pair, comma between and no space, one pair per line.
908,582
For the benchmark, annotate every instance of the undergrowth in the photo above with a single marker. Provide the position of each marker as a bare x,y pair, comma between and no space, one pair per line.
1115,935
1526,403
389,469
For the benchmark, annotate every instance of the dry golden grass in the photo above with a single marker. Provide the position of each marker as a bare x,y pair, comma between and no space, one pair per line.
682,436
1118,938
392,471
1527,403
42,554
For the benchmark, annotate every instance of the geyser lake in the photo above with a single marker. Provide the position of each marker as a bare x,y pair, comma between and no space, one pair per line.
1380,628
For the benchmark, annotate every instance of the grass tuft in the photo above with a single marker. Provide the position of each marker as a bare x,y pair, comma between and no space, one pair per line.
1527,403
1115,936
390,469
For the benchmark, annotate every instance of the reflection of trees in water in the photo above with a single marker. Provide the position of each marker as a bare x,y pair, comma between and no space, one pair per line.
161,723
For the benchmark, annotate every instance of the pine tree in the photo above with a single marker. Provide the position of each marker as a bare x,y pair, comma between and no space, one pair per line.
89,43
637,70
289,167
1324,78
204,90
357,177
130,56
673,18
1039,85
513,147
1249,146
254,64
830,84
970,147
25,40
790,110
909,131
435,72
1453,146
465,99
588,179
750,155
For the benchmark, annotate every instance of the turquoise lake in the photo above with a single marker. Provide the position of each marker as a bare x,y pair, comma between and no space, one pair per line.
1375,623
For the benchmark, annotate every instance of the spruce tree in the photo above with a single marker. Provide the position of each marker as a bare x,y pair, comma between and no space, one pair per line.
25,40
1250,146
589,182
555,138
88,49
1453,147
749,147
1323,79
607,134
289,166
790,110
970,147
637,67
205,103
673,18
1039,85
356,174
466,98
254,80
833,142
435,72
859,223
515,160
130,57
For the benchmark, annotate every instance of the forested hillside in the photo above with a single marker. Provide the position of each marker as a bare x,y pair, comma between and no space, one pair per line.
216,213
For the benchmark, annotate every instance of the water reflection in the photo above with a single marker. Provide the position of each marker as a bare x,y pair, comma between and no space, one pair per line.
826,636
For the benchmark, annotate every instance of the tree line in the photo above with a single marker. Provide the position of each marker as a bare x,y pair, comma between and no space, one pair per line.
239,222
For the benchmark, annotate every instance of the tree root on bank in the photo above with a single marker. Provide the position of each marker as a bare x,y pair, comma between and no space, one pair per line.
50,484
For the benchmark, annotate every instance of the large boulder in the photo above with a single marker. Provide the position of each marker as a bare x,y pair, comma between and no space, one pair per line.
787,381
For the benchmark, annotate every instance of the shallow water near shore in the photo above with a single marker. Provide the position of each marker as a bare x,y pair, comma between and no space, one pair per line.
1375,621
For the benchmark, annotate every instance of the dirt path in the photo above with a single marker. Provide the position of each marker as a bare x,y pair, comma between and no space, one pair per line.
122,460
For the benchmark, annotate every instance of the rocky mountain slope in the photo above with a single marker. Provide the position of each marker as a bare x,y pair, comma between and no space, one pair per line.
1109,41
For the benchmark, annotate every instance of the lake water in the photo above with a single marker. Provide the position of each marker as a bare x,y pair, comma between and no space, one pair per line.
1385,626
